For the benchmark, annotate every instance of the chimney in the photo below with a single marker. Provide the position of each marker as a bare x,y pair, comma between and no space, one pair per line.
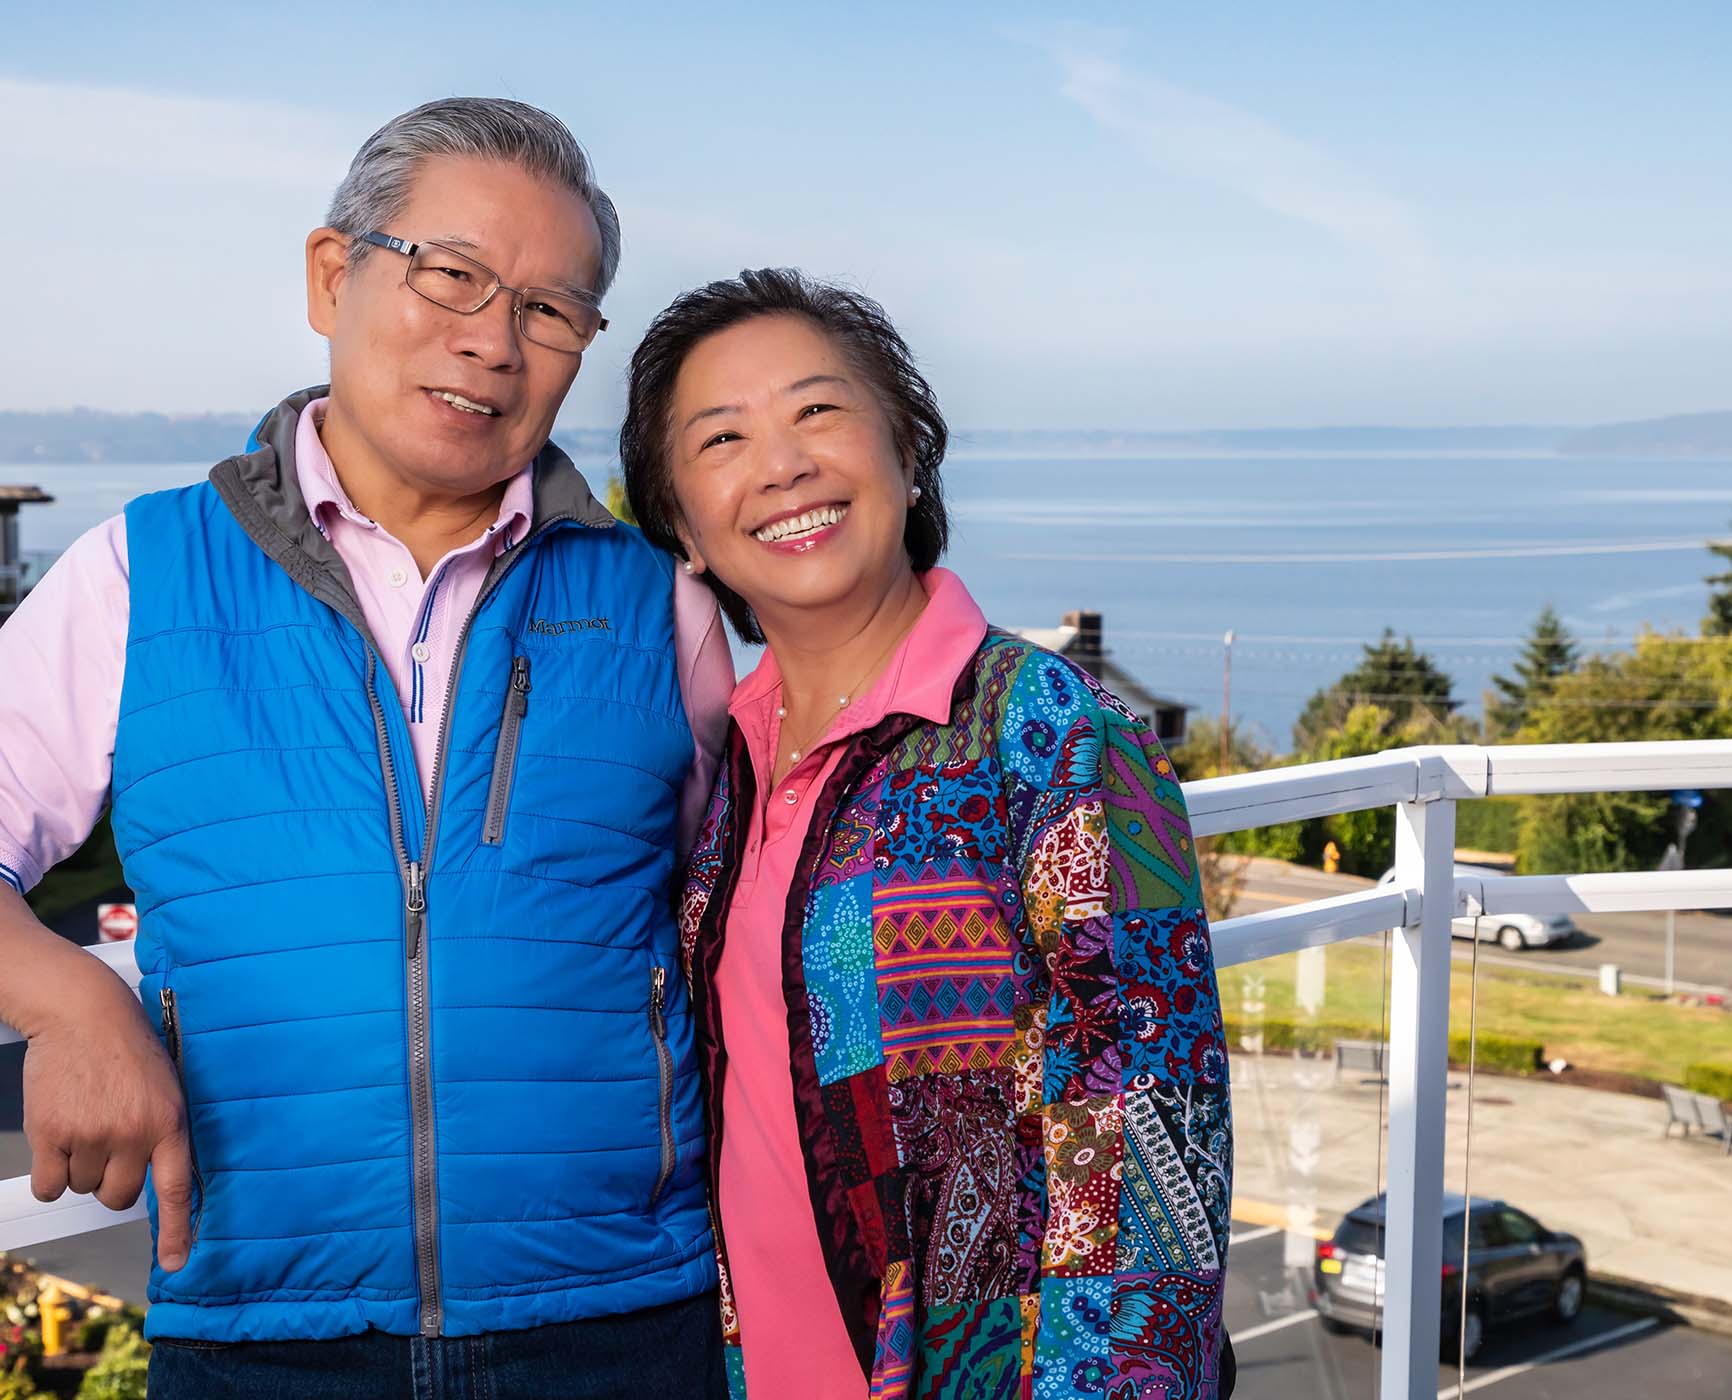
1086,649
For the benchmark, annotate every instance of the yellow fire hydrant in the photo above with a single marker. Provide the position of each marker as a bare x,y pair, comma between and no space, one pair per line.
1331,858
54,1314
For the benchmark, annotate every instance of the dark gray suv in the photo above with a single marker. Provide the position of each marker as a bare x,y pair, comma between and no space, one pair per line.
1515,1268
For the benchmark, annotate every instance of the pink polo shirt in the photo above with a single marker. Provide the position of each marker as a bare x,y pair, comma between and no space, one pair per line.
795,1345
63,657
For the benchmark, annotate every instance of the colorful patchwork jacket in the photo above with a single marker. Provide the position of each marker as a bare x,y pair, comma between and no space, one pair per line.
1009,1071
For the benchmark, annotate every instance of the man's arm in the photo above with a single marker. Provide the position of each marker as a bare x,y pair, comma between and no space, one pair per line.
101,1102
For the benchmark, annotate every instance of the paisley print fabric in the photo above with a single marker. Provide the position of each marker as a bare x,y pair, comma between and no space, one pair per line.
1014,1106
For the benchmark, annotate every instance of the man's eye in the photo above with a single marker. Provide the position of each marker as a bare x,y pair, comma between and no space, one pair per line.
718,439
455,273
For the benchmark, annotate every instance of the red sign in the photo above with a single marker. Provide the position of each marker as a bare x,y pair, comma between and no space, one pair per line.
115,923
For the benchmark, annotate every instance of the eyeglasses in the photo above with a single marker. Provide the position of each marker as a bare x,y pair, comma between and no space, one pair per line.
447,278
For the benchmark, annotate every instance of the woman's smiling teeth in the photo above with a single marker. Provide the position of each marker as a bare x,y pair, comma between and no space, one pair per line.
467,405
797,527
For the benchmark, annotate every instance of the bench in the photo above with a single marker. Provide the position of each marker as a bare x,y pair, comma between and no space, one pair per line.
1365,1055
1691,1110
1714,1120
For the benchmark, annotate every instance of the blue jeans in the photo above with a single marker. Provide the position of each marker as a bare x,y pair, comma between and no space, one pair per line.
674,1350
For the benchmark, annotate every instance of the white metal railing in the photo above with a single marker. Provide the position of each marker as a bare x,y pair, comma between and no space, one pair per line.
1423,785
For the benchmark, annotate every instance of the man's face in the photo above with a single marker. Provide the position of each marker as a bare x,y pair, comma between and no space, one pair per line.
393,352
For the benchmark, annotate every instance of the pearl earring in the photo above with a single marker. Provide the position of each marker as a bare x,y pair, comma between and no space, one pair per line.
687,566
913,494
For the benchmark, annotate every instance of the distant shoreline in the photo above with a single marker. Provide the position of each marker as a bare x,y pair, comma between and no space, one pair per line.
88,435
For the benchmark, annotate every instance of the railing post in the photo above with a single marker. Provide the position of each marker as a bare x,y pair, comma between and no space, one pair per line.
1418,1082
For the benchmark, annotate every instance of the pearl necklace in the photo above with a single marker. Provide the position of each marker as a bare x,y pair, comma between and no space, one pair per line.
842,701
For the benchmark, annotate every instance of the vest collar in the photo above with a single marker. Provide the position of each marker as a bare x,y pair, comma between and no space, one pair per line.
263,492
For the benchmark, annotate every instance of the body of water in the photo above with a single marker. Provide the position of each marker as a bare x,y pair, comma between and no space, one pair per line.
1305,558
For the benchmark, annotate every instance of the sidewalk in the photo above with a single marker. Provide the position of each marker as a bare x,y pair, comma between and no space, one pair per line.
1649,1211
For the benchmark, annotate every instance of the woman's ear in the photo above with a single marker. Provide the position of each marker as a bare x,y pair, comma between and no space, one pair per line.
694,564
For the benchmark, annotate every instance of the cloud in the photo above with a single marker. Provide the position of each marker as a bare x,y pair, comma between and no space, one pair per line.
62,128
1200,138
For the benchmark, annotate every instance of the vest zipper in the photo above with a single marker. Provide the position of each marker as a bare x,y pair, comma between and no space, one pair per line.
665,1074
414,876
505,755
171,1035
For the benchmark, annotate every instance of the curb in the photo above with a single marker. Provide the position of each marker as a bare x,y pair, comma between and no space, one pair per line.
1629,1295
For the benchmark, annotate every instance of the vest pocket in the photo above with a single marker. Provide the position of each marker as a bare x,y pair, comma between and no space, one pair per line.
664,1076
505,755
171,1035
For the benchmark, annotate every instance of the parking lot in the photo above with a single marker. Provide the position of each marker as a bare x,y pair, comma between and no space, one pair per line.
1285,1354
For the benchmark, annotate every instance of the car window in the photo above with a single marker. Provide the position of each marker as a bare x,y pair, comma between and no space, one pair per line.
1358,1236
1482,1234
1517,1228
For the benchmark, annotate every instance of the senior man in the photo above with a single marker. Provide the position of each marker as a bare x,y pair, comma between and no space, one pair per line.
397,729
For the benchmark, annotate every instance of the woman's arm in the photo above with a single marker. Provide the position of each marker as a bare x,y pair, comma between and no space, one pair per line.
1131,1086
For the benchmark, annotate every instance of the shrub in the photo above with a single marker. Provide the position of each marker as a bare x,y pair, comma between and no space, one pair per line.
1500,1052
17,1385
120,1373
1715,1080
1495,1051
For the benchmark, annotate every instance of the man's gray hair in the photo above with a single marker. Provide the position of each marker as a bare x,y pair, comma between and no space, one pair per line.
377,188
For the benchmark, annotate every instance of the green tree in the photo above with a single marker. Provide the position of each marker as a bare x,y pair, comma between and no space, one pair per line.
1666,687
617,503
1718,622
1394,676
1200,755
1549,652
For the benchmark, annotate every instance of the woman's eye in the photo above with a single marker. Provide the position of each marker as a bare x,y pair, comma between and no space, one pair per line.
813,408
718,439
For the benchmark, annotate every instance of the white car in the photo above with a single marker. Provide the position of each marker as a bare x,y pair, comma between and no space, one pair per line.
1512,931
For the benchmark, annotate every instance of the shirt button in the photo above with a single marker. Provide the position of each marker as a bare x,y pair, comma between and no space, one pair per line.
399,577
421,651
790,797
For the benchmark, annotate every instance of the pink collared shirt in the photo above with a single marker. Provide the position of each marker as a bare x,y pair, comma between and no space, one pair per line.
793,1341
63,657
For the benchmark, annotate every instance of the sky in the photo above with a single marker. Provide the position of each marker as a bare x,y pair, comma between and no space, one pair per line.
1172,216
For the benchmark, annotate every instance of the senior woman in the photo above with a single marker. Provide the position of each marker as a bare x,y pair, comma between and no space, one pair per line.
950,970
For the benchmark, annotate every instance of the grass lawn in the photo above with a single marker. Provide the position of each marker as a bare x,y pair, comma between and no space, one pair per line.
1637,1033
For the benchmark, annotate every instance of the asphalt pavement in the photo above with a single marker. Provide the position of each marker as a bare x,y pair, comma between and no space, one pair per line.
1635,942
1284,1353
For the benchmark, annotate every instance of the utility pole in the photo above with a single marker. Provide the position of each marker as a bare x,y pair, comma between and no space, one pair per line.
1684,807
1226,700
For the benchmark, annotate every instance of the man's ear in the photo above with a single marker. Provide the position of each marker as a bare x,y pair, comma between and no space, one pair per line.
327,267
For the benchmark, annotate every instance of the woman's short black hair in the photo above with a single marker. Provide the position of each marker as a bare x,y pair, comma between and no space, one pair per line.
864,333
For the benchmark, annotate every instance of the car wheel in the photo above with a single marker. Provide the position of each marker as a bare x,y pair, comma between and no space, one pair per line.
1465,1341
1509,937
1567,1302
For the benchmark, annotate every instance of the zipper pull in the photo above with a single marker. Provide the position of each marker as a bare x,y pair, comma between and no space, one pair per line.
416,906
658,995
520,685
171,1024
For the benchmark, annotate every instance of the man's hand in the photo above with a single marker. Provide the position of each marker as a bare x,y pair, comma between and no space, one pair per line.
102,1103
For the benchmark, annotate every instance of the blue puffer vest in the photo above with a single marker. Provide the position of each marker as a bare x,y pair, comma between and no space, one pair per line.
438,1070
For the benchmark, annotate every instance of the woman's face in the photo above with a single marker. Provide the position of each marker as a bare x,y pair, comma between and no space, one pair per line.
785,470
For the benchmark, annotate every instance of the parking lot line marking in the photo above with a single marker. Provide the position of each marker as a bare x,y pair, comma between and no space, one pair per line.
1629,1329
1263,1329
1261,1234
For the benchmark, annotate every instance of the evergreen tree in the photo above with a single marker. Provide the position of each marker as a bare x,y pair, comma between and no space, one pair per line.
1395,676
1718,622
1548,653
